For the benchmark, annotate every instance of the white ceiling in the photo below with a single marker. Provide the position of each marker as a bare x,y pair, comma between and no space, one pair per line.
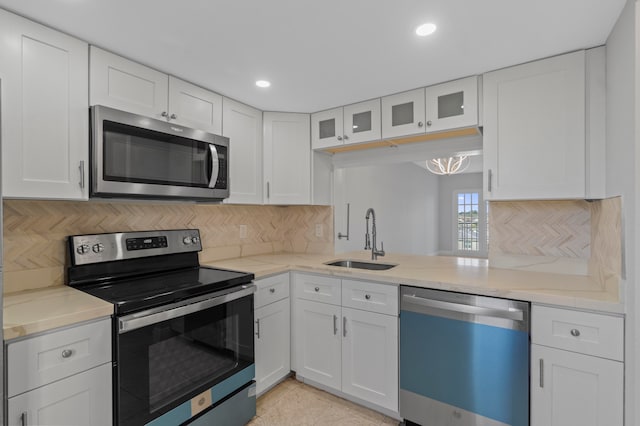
326,53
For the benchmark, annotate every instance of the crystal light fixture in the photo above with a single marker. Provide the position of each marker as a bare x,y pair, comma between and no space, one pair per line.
448,165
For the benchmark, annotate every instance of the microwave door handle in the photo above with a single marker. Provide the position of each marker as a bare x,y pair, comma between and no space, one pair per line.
215,166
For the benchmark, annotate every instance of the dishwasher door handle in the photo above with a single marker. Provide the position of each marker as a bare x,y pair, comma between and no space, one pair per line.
512,314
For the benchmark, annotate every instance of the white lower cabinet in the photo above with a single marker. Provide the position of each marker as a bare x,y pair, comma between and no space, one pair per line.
577,373
272,333
80,400
350,342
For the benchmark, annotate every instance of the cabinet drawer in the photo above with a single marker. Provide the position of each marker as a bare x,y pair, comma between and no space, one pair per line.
318,288
46,358
374,297
271,289
584,332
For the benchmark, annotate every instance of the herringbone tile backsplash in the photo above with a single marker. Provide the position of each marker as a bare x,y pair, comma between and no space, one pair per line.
35,231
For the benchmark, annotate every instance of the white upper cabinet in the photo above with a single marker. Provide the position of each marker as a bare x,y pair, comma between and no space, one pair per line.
193,106
119,83
287,158
452,105
535,141
346,125
242,124
403,114
45,122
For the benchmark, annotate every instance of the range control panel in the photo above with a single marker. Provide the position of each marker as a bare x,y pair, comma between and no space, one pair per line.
97,248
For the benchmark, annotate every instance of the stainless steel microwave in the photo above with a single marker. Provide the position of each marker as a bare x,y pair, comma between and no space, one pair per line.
133,156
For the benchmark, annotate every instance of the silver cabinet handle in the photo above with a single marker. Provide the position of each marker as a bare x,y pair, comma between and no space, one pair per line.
367,296
24,419
258,328
335,325
489,180
67,353
541,372
81,168
317,289
344,326
164,114
575,332
429,123
339,138
420,124
268,191
272,290
173,117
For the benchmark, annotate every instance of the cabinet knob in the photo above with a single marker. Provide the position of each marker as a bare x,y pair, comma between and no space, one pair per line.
346,138
317,289
173,116
420,124
367,296
339,138
575,332
164,114
67,353
272,290
429,123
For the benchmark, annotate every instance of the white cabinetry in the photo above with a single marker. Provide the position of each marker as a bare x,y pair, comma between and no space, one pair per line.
62,377
242,124
287,158
272,335
346,125
452,105
43,78
403,114
577,373
119,83
346,337
536,143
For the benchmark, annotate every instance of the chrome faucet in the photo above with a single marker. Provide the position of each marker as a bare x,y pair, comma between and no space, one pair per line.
367,242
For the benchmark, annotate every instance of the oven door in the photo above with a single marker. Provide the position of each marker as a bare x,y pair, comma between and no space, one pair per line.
166,357
136,156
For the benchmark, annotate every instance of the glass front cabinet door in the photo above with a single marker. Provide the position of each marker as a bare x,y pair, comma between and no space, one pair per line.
362,121
452,105
403,114
326,128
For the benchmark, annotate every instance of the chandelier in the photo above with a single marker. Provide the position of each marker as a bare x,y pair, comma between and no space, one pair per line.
448,165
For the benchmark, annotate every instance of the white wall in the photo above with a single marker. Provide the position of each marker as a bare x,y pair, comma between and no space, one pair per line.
405,199
447,186
622,175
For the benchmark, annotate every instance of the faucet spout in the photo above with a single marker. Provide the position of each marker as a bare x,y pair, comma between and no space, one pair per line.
368,244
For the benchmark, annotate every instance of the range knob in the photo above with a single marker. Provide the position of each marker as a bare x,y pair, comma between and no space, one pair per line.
98,248
186,240
82,249
195,240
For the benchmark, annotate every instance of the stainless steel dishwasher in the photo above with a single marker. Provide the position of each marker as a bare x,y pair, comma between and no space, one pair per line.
464,359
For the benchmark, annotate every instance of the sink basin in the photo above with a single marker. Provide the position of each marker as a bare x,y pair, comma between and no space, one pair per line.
358,264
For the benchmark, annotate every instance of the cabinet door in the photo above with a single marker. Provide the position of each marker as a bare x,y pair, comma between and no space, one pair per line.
119,83
243,126
403,114
272,343
318,342
534,130
287,158
571,389
80,400
326,128
452,105
370,357
362,122
195,107
45,114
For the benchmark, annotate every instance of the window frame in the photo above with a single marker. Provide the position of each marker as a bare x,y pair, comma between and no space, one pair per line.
482,224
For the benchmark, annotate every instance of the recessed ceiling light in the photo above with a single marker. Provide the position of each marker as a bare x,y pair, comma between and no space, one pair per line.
426,29
263,83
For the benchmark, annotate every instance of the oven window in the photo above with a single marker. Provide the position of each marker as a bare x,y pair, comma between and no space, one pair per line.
133,154
164,364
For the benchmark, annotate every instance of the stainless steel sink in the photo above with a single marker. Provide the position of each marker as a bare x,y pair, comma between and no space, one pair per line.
359,264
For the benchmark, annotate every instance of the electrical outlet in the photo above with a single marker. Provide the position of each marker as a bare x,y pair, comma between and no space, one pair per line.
243,231
319,230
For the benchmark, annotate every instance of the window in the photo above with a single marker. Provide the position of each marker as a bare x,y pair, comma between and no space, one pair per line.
470,223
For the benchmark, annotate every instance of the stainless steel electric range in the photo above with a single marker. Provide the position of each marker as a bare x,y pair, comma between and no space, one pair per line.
183,346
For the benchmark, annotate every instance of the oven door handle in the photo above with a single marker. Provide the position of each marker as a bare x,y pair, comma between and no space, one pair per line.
146,318
215,166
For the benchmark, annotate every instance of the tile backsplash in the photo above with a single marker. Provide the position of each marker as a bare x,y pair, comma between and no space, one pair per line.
35,231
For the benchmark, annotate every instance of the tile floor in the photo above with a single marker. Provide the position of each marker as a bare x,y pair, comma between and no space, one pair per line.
294,403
